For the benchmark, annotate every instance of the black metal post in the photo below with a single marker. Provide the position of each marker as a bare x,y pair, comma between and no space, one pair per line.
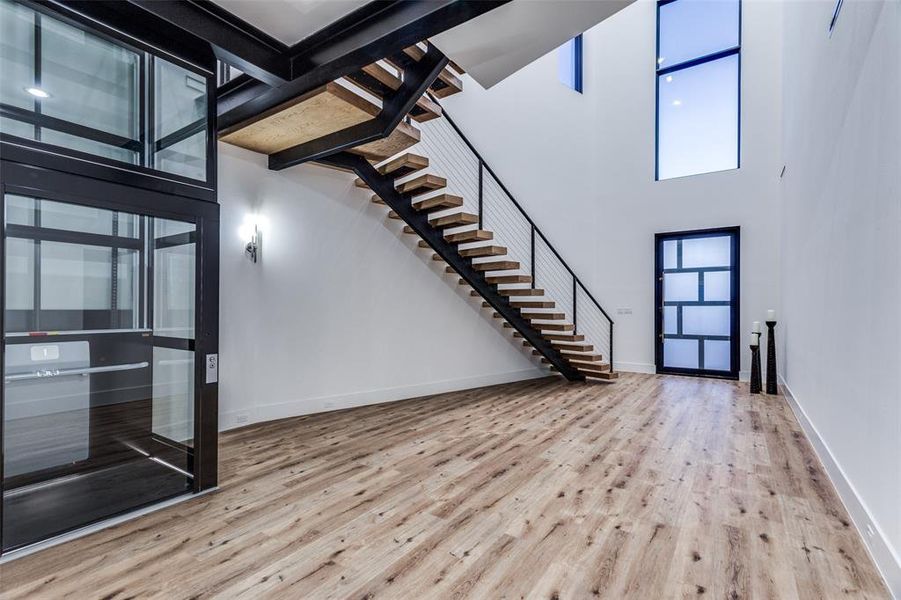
771,387
575,310
610,352
481,164
532,262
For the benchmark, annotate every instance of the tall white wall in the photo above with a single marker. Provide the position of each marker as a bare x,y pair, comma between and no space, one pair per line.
583,167
342,308
841,273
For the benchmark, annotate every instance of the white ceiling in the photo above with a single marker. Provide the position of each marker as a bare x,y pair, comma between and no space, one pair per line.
290,21
504,40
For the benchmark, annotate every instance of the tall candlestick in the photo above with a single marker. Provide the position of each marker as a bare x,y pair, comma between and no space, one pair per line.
771,387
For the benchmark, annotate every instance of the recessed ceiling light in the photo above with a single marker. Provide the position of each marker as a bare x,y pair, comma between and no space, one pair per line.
37,92
677,103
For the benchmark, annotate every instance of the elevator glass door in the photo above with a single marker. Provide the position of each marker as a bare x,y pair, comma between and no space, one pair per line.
99,364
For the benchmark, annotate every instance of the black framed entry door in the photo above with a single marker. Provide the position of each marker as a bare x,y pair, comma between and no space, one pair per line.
697,300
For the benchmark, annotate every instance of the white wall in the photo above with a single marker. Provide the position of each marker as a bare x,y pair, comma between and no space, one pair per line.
842,253
583,167
342,308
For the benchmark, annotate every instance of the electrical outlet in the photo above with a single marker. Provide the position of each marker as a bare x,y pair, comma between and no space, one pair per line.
870,531
242,418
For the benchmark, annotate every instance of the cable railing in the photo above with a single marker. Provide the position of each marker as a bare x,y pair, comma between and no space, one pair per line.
452,155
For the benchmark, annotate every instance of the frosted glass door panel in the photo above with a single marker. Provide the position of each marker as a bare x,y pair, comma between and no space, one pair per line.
680,287
706,320
716,355
680,354
707,252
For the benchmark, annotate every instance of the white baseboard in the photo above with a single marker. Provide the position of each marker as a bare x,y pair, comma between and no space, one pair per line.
306,406
633,367
886,558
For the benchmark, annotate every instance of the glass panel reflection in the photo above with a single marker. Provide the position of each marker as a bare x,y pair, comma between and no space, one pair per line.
680,354
98,416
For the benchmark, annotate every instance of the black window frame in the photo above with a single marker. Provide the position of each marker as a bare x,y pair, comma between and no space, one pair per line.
687,64
142,175
576,65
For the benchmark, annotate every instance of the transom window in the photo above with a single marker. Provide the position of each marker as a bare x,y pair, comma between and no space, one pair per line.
65,86
698,86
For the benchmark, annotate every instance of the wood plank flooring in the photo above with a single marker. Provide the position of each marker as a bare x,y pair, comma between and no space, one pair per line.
655,487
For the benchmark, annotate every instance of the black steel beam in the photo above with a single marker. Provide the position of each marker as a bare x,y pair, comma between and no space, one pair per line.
419,222
233,40
417,80
388,28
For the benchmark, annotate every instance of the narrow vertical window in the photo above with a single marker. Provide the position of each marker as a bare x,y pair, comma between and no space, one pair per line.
569,63
698,86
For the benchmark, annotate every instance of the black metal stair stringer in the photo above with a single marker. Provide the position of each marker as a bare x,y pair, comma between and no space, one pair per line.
417,80
419,222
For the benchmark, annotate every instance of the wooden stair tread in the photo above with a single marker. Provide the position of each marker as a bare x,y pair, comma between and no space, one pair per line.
403,136
573,347
446,84
554,326
319,112
480,251
383,75
439,202
422,184
556,346
564,337
581,358
393,215
376,199
474,235
543,316
454,220
521,292
533,304
404,165
500,279
426,110
496,265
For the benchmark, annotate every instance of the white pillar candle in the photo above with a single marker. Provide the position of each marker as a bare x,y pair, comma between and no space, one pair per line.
755,339
756,327
771,315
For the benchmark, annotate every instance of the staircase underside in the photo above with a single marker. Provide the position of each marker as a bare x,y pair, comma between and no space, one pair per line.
363,123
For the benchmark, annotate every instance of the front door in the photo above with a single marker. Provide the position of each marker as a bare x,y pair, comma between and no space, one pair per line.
697,300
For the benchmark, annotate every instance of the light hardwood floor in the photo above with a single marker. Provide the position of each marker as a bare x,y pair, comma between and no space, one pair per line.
655,487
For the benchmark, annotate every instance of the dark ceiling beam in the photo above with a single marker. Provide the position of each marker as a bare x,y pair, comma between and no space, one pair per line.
135,22
234,41
383,29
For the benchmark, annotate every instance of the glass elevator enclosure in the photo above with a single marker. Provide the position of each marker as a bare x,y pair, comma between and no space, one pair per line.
109,258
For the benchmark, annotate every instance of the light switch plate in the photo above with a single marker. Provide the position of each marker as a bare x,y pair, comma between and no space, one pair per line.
212,368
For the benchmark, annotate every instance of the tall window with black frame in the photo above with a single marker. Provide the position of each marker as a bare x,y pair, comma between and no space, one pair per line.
698,87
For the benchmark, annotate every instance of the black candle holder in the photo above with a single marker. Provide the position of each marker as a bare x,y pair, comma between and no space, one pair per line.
756,386
771,387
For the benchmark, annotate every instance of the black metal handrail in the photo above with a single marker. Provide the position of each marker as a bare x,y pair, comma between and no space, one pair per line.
576,282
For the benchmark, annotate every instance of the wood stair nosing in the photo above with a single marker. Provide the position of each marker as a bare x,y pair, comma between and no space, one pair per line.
438,202
454,220
496,265
474,235
482,251
426,110
393,215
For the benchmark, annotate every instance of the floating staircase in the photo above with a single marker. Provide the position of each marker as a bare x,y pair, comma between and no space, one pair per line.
345,125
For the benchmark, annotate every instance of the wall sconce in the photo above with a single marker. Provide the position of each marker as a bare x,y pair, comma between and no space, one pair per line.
251,234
